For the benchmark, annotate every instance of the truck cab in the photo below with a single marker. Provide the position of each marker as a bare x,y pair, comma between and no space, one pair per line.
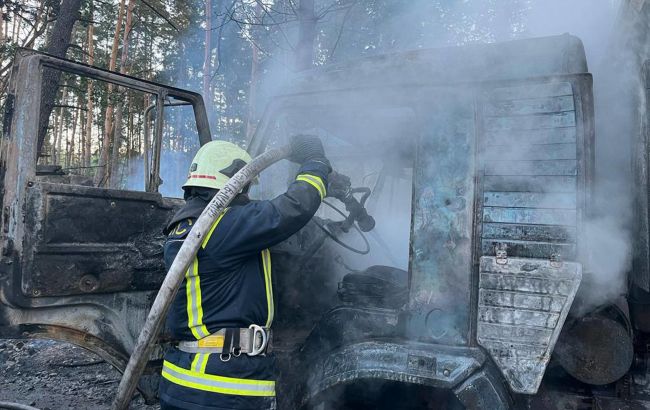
479,180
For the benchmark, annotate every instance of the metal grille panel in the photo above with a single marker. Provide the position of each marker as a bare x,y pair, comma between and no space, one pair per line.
529,162
529,223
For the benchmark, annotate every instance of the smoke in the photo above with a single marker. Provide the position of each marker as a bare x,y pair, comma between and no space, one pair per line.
372,141
173,173
607,260
606,240
388,135
605,243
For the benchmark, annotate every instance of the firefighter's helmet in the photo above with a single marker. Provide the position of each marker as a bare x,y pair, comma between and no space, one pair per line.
215,163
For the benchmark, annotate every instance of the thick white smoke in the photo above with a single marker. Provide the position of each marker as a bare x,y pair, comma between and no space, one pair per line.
606,241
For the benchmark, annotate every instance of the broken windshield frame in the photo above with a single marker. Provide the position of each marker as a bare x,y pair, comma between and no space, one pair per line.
372,145
29,66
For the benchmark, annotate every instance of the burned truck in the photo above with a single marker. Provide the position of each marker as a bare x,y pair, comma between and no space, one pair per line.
460,295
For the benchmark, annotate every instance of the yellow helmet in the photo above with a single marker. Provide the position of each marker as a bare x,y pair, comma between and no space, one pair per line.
214,164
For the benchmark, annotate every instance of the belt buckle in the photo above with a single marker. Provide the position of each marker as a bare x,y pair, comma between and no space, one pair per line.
258,330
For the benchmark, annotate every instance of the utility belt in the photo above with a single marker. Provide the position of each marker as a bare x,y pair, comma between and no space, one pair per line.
253,340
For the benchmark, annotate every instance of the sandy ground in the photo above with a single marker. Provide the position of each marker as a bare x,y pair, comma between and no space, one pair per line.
52,375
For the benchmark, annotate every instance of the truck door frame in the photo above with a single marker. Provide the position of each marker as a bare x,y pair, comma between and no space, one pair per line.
103,323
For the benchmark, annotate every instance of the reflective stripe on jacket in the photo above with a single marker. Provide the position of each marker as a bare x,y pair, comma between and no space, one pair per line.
203,382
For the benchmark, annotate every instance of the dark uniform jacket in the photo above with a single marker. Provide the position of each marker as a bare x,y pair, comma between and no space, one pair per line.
229,285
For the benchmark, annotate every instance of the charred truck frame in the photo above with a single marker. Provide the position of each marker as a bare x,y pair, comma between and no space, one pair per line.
501,160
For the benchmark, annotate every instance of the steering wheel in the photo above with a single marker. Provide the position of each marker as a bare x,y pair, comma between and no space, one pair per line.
325,227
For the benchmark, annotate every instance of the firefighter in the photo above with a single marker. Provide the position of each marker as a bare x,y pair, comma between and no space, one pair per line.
222,313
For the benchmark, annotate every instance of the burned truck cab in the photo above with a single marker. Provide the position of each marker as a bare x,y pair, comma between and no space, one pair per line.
475,164
480,161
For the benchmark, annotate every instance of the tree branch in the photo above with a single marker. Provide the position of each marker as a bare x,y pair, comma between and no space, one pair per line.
77,47
286,38
74,107
338,37
160,14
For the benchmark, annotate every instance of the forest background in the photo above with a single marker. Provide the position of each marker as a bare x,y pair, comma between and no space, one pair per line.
236,53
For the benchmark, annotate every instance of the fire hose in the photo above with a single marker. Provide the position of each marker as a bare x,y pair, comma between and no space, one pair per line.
174,278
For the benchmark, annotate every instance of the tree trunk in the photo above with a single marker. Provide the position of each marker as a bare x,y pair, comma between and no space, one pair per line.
37,30
57,44
251,119
129,135
131,126
113,174
207,62
2,24
85,161
306,35
58,134
49,159
70,140
7,27
103,171
82,142
16,28
103,163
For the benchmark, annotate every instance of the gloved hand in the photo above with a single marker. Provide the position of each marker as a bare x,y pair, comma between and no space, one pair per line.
305,148
339,186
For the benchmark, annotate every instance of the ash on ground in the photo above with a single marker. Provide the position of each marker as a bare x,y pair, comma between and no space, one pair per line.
52,375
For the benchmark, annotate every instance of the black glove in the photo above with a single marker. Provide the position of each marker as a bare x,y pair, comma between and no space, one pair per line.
305,148
339,186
